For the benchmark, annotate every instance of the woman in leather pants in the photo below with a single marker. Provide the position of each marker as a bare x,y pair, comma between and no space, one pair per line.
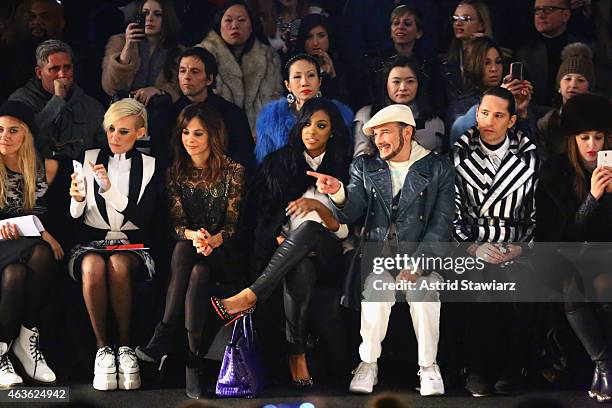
574,204
295,229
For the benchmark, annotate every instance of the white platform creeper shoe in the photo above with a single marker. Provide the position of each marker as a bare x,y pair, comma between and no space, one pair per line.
8,376
105,369
129,371
26,348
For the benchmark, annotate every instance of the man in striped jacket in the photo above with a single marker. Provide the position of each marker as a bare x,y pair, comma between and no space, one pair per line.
496,174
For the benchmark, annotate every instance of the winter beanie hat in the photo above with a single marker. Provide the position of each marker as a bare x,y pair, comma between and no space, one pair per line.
577,58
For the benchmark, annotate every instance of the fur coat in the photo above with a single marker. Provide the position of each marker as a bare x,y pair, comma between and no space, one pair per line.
249,83
117,76
274,124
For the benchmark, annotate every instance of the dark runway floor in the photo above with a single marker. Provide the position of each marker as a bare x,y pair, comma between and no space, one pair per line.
330,398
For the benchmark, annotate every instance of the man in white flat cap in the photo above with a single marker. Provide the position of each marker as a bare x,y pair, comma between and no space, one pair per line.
409,191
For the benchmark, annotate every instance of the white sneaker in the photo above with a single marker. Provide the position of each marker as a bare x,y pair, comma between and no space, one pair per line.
8,377
365,377
129,372
105,370
26,348
431,381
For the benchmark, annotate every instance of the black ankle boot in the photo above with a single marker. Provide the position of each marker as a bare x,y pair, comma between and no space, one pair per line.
192,377
157,349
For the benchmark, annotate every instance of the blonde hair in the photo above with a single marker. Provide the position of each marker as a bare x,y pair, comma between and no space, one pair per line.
482,10
125,107
28,165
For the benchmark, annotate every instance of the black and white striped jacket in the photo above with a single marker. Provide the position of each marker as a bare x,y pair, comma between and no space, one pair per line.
495,205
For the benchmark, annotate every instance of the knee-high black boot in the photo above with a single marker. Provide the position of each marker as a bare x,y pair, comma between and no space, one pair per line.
604,313
587,327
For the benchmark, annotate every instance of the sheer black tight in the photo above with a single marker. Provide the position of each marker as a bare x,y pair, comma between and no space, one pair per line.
190,288
23,291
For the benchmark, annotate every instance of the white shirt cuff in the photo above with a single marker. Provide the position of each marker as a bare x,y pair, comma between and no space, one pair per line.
342,231
76,208
339,198
115,198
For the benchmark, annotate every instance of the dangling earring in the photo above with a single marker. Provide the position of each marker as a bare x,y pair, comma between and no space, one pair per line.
331,136
290,98
318,94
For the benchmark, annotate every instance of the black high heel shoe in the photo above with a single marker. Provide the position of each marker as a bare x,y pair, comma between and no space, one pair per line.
301,382
228,318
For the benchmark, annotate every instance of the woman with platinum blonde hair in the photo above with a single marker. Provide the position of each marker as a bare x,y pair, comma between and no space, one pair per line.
114,195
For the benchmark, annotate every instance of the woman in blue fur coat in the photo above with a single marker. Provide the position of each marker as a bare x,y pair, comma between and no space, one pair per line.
303,82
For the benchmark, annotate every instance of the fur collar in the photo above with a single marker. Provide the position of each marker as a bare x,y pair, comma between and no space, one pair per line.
237,83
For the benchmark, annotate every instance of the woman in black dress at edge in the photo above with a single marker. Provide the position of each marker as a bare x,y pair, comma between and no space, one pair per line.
115,205
315,39
205,189
293,220
574,204
27,266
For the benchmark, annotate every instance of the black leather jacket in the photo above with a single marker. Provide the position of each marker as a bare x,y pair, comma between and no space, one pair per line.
426,207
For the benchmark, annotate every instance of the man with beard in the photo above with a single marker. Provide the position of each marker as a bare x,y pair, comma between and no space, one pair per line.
40,20
406,193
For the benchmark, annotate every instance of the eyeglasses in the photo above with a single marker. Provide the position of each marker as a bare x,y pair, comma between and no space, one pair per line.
546,10
464,19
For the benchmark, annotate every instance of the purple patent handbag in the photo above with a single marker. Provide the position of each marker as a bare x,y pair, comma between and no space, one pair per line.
240,375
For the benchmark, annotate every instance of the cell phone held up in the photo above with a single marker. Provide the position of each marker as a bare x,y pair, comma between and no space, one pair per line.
78,169
604,158
516,70
140,19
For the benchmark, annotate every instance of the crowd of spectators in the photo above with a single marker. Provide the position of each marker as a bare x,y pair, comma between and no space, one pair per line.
206,152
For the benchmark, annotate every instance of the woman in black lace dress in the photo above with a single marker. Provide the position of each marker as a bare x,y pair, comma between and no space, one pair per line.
26,264
205,189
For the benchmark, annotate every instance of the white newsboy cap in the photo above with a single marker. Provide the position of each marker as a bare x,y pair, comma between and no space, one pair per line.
392,113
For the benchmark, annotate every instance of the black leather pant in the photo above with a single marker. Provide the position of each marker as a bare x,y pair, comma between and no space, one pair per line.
293,262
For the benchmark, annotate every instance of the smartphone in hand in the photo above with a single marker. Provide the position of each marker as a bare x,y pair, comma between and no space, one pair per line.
604,158
140,19
78,169
516,70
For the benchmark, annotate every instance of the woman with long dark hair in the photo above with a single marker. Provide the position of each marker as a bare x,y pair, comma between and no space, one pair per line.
315,38
295,229
574,202
400,83
141,61
205,190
